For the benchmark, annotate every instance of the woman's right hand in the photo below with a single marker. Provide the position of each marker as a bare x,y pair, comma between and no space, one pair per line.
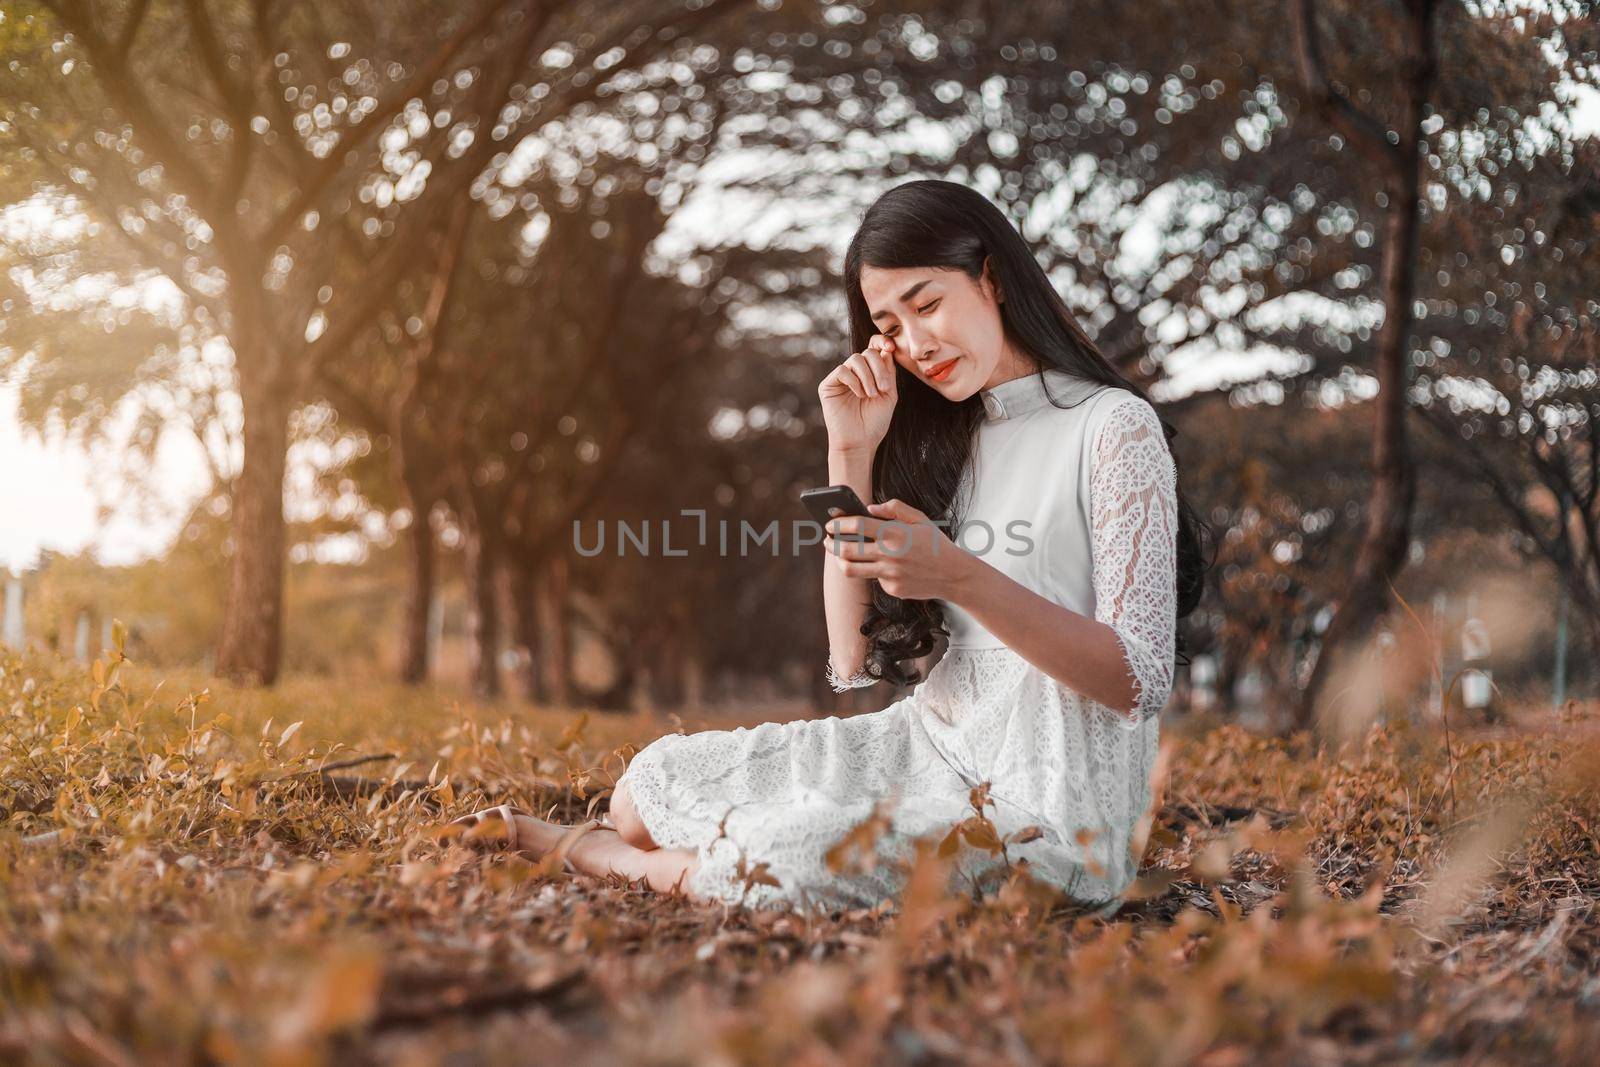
858,397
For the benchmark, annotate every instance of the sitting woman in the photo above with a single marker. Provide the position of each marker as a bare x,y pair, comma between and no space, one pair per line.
973,397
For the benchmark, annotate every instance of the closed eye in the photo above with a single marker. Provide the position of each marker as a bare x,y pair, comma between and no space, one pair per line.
921,310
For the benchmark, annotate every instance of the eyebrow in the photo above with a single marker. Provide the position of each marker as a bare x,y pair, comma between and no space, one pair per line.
907,295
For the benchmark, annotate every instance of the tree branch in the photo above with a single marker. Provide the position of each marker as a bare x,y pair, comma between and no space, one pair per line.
684,23
172,269
236,97
121,87
130,29
1361,129
330,169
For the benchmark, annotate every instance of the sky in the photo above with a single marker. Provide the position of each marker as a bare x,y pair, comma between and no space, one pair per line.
50,494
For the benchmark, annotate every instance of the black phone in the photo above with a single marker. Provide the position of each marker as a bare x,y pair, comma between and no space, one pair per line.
832,501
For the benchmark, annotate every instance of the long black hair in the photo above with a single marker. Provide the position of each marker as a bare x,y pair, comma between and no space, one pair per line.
939,224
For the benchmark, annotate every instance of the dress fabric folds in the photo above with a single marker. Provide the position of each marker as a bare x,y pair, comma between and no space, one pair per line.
1071,492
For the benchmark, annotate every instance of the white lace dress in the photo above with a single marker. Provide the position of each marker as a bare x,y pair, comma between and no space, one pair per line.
1095,484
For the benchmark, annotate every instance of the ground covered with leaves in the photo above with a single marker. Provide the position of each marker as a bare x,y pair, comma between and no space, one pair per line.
195,874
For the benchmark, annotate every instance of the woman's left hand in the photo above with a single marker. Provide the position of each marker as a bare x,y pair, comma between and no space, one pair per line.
910,557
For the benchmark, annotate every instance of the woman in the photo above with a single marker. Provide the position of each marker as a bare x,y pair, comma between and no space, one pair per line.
973,396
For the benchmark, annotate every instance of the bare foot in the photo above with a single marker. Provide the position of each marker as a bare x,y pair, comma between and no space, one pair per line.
588,848
602,852
535,838
508,827
598,850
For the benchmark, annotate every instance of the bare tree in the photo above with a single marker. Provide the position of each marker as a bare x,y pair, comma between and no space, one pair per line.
1394,157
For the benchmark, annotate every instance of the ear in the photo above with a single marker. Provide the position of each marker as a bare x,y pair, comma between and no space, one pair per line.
988,279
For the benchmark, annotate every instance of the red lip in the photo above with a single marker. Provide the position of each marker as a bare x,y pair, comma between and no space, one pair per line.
941,371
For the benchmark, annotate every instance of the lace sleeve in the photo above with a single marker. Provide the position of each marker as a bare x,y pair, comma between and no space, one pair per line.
840,684
1134,513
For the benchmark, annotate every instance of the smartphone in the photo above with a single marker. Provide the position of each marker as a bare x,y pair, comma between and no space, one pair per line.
832,501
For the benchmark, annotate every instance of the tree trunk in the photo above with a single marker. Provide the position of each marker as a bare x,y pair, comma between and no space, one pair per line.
1583,628
1386,541
694,682
669,655
250,647
1587,678
1387,538
555,650
1227,679
522,581
419,598
483,614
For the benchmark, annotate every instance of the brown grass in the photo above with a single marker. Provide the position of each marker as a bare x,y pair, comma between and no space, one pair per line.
183,881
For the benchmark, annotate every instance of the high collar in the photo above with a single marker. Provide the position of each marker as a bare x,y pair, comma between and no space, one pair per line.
1028,393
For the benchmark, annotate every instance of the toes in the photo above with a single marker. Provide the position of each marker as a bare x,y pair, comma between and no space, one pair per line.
497,828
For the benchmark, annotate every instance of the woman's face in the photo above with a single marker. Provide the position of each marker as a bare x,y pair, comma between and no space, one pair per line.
945,327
